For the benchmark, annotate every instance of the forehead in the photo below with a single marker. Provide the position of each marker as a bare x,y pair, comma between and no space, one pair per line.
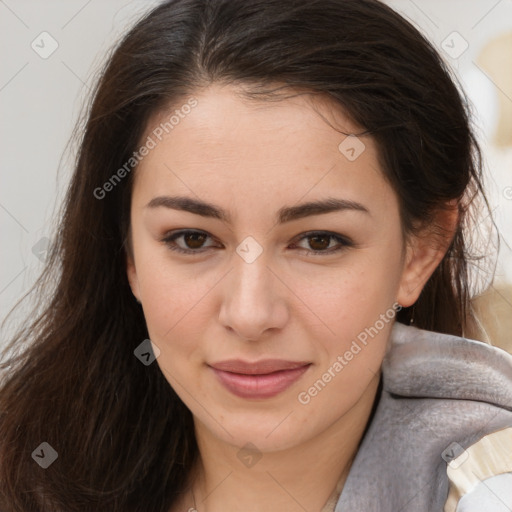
238,148
226,118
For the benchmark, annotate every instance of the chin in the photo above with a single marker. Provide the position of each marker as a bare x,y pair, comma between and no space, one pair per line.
268,431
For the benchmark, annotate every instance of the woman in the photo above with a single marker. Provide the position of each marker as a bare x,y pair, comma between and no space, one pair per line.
267,195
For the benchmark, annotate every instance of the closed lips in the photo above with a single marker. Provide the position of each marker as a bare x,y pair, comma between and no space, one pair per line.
263,367
260,380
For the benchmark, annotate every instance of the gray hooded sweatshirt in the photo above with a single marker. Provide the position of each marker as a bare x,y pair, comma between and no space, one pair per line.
438,392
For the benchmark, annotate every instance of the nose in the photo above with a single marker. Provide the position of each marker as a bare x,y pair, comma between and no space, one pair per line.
253,300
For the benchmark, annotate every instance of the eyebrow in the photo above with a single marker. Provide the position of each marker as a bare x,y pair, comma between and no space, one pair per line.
285,214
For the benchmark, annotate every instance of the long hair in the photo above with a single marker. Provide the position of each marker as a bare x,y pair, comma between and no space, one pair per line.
125,441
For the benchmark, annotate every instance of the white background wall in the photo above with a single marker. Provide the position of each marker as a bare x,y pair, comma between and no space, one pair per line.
40,100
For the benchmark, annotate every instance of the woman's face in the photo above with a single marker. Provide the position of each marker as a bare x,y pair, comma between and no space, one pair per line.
265,340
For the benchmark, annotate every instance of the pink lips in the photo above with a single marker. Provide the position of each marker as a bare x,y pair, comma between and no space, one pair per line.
262,379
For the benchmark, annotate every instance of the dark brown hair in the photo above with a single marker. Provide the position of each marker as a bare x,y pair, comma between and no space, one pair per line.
124,439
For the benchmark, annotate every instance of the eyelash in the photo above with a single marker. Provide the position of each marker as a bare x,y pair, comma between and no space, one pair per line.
344,242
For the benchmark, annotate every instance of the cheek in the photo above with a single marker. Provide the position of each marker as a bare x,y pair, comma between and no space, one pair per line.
359,312
351,298
172,303
172,296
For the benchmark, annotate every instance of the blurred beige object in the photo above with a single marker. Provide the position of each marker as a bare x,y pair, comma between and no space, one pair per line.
496,60
493,310
486,458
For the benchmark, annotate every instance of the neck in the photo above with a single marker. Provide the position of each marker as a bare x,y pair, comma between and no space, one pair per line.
300,478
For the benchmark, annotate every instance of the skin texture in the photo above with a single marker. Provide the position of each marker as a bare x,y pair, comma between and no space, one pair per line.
253,158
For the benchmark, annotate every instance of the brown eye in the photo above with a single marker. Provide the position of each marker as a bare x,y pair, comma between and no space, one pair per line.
320,243
192,241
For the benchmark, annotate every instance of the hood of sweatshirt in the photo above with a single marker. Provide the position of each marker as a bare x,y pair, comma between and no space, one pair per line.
426,364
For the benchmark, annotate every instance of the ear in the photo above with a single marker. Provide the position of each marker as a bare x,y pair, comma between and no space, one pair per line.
424,252
131,270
